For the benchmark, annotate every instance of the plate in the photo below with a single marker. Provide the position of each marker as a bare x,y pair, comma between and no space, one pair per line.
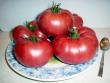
52,71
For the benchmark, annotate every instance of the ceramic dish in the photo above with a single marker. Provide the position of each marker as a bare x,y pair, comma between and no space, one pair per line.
53,71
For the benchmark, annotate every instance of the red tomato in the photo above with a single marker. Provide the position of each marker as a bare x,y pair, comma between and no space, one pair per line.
77,21
33,25
38,33
20,32
33,54
55,23
76,50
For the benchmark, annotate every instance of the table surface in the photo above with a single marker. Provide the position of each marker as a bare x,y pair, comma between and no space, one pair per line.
7,75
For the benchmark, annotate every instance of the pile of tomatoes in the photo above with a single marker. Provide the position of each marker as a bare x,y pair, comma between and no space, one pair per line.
55,32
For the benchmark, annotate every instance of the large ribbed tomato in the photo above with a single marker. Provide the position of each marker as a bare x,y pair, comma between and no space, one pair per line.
79,48
55,21
31,53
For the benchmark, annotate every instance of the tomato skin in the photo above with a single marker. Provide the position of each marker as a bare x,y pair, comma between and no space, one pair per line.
34,24
33,54
77,21
76,51
89,33
20,32
37,32
55,23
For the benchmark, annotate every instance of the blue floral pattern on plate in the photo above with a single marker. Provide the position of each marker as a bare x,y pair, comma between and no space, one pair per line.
45,73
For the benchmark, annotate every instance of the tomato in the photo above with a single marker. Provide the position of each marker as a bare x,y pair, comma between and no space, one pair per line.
40,34
33,26
33,53
55,21
20,32
79,48
78,21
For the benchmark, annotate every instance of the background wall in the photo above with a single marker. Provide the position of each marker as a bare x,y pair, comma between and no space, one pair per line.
95,13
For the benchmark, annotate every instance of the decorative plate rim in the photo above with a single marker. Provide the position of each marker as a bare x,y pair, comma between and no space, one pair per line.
42,79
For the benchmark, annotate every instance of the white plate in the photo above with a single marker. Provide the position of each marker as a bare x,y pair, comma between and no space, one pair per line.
50,72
